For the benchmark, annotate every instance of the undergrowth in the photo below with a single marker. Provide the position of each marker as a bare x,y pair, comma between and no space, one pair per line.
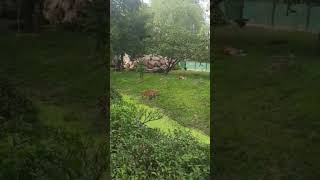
139,152
31,150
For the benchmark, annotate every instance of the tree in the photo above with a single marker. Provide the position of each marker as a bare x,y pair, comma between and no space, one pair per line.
94,21
183,13
180,34
177,44
128,31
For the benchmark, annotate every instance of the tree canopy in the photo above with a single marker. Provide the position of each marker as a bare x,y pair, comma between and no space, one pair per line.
173,29
128,30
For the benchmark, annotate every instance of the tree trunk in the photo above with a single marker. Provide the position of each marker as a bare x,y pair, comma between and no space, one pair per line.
119,62
171,66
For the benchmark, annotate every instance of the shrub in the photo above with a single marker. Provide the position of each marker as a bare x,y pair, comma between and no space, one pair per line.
115,95
139,152
17,113
30,150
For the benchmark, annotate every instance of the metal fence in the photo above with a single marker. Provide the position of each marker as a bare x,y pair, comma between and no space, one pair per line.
197,66
274,14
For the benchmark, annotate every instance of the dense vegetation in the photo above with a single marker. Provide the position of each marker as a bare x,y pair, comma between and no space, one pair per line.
32,150
139,152
173,29
177,31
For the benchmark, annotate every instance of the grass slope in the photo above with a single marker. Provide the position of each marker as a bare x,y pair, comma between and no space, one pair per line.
266,124
185,101
167,125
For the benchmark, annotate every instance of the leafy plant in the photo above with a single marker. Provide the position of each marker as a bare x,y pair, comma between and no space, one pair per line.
30,150
139,152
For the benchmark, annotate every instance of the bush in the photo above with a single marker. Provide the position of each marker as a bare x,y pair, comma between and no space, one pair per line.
59,155
30,150
139,152
17,113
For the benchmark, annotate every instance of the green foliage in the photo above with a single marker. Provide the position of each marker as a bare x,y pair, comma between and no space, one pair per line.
139,152
17,113
30,150
186,14
178,32
127,27
115,95
173,29
141,69
94,21
176,43
13,104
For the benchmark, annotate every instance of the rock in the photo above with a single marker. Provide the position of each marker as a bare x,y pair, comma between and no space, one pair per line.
155,58
152,63
132,66
162,62
157,63
182,77
155,69
145,62
147,57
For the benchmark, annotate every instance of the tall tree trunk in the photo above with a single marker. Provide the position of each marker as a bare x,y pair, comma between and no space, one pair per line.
119,62
171,66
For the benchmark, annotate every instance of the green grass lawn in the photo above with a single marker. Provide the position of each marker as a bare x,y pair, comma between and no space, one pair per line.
266,123
166,124
184,101
59,72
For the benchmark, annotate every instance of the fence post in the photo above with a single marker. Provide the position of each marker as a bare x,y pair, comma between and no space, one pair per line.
308,15
274,4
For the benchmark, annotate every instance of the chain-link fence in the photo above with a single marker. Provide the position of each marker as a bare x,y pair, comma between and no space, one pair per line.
196,66
275,13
